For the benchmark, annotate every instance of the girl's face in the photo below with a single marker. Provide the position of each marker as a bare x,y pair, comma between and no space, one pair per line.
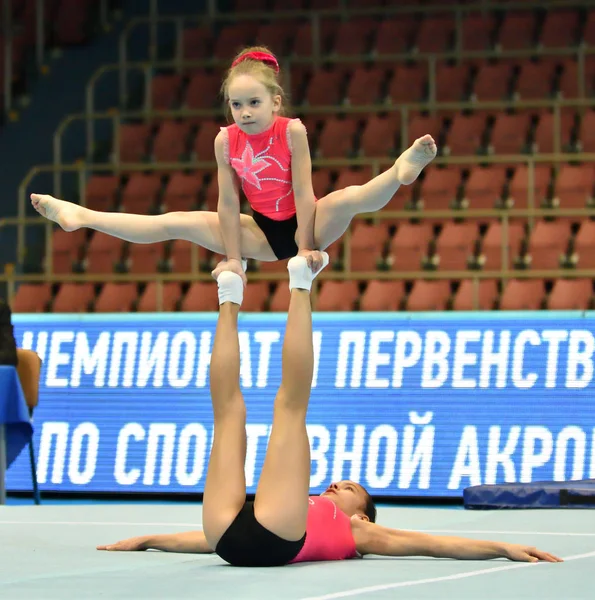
252,106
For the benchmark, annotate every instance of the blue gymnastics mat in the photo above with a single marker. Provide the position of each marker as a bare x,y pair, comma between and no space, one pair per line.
538,494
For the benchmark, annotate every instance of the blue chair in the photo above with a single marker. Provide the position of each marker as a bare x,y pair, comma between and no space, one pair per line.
29,371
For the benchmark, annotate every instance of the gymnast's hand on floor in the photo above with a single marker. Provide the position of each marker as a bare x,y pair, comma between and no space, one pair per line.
518,552
129,545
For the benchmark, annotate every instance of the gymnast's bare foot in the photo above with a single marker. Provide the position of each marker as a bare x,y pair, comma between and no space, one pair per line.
68,215
412,162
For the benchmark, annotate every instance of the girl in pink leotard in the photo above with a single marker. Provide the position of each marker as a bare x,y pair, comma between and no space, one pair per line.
284,524
268,155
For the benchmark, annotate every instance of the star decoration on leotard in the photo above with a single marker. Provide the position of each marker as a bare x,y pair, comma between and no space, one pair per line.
248,166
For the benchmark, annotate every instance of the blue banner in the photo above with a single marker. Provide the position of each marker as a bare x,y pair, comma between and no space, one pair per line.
406,404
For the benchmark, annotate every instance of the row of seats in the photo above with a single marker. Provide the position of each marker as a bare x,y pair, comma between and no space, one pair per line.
377,83
66,22
332,296
438,188
432,33
406,248
374,136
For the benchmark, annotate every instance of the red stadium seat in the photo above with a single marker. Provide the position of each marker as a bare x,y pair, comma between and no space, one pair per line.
435,33
148,301
145,258
535,80
478,31
234,36
492,82
140,193
31,298
204,143
256,295
202,91
439,188
73,297
364,86
367,244
487,294
337,296
522,295
201,297
383,296
510,133
571,294
171,141
395,35
548,243
181,256
103,253
408,84
574,186
543,141
586,133
134,139
100,192
165,90
66,249
492,245
280,298
451,82
419,126
182,191
560,29
353,37
196,43
485,187
409,245
337,138
517,31
584,245
276,36
325,87
465,134
116,297
428,296
519,188
454,245
379,138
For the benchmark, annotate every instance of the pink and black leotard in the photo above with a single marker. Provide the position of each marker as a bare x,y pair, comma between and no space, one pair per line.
328,537
262,162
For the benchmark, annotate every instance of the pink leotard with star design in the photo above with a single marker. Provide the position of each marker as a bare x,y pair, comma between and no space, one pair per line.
328,533
262,161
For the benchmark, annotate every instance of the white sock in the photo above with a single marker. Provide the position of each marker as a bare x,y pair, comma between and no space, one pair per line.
300,274
230,287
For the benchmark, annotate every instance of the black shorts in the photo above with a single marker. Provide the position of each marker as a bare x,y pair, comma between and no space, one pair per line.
279,234
246,543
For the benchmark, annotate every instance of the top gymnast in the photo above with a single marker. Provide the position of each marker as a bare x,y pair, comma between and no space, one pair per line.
268,155
284,524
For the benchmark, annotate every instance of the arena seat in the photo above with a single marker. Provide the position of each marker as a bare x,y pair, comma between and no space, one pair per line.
337,296
548,243
584,245
492,82
518,191
535,80
73,297
543,139
571,294
478,31
204,142
201,297
145,258
465,136
325,87
380,136
182,191
337,137
408,84
353,36
586,132
103,253
484,187
420,125
233,36
435,34
140,193
510,133
492,245
409,245
148,299
382,296
116,297
276,35
171,142
367,244
519,294
280,298
439,188
574,186
428,296
487,295
517,31
101,192
196,42
180,258
365,85
560,29
66,249
452,82
455,244
589,30
134,141
201,92
255,296
31,298
165,90
568,82
396,34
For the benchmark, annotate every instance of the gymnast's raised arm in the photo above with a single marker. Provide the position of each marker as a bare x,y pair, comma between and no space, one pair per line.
371,538
187,542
